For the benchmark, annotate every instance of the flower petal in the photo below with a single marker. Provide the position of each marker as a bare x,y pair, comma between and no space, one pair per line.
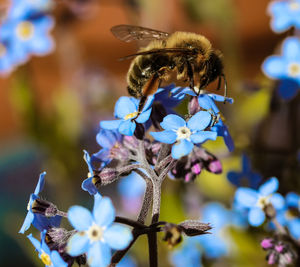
118,236
104,212
291,49
247,197
40,184
124,106
78,244
202,136
256,216
127,127
110,125
294,228
80,218
87,185
36,243
27,222
278,201
172,122
57,260
274,67
293,200
269,187
144,116
107,138
199,121
167,137
99,255
182,148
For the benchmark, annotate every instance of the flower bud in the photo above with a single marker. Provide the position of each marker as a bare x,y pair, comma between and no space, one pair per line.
194,227
105,177
44,207
193,105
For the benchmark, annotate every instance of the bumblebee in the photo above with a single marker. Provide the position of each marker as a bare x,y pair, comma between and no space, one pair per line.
188,58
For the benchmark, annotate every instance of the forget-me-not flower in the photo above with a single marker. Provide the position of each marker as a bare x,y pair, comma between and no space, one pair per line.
286,66
238,178
290,215
126,110
48,257
285,14
97,234
39,221
107,139
185,134
257,200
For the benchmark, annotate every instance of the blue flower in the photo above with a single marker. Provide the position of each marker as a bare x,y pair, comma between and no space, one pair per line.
285,14
126,110
257,200
188,255
87,184
290,215
107,139
166,98
285,67
185,134
131,189
49,258
8,57
97,234
215,245
238,178
38,220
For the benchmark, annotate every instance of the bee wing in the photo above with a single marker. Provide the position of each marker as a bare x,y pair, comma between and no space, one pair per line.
178,50
128,33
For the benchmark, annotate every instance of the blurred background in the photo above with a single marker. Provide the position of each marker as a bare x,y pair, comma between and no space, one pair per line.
50,108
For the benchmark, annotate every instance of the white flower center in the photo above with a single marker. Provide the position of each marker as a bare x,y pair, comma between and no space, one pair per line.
294,6
262,202
46,259
183,133
294,70
25,30
2,50
131,115
95,233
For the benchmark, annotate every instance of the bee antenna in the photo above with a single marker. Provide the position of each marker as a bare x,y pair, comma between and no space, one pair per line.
225,86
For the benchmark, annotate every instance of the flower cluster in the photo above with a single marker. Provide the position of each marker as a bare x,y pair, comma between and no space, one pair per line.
25,32
286,67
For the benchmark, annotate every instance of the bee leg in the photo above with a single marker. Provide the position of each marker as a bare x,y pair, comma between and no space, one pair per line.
190,74
149,88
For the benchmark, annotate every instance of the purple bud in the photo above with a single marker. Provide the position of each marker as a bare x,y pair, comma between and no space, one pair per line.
193,105
105,177
44,207
267,243
272,258
196,168
215,166
279,248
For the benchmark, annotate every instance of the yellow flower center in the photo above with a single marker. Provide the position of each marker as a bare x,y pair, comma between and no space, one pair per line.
25,30
262,202
2,50
183,133
294,6
294,70
46,259
95,233
131,115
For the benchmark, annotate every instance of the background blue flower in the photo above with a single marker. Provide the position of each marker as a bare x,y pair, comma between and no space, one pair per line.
285,67
285,14
256,200
245,175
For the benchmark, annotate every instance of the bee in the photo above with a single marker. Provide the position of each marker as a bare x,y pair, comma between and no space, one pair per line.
189,57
